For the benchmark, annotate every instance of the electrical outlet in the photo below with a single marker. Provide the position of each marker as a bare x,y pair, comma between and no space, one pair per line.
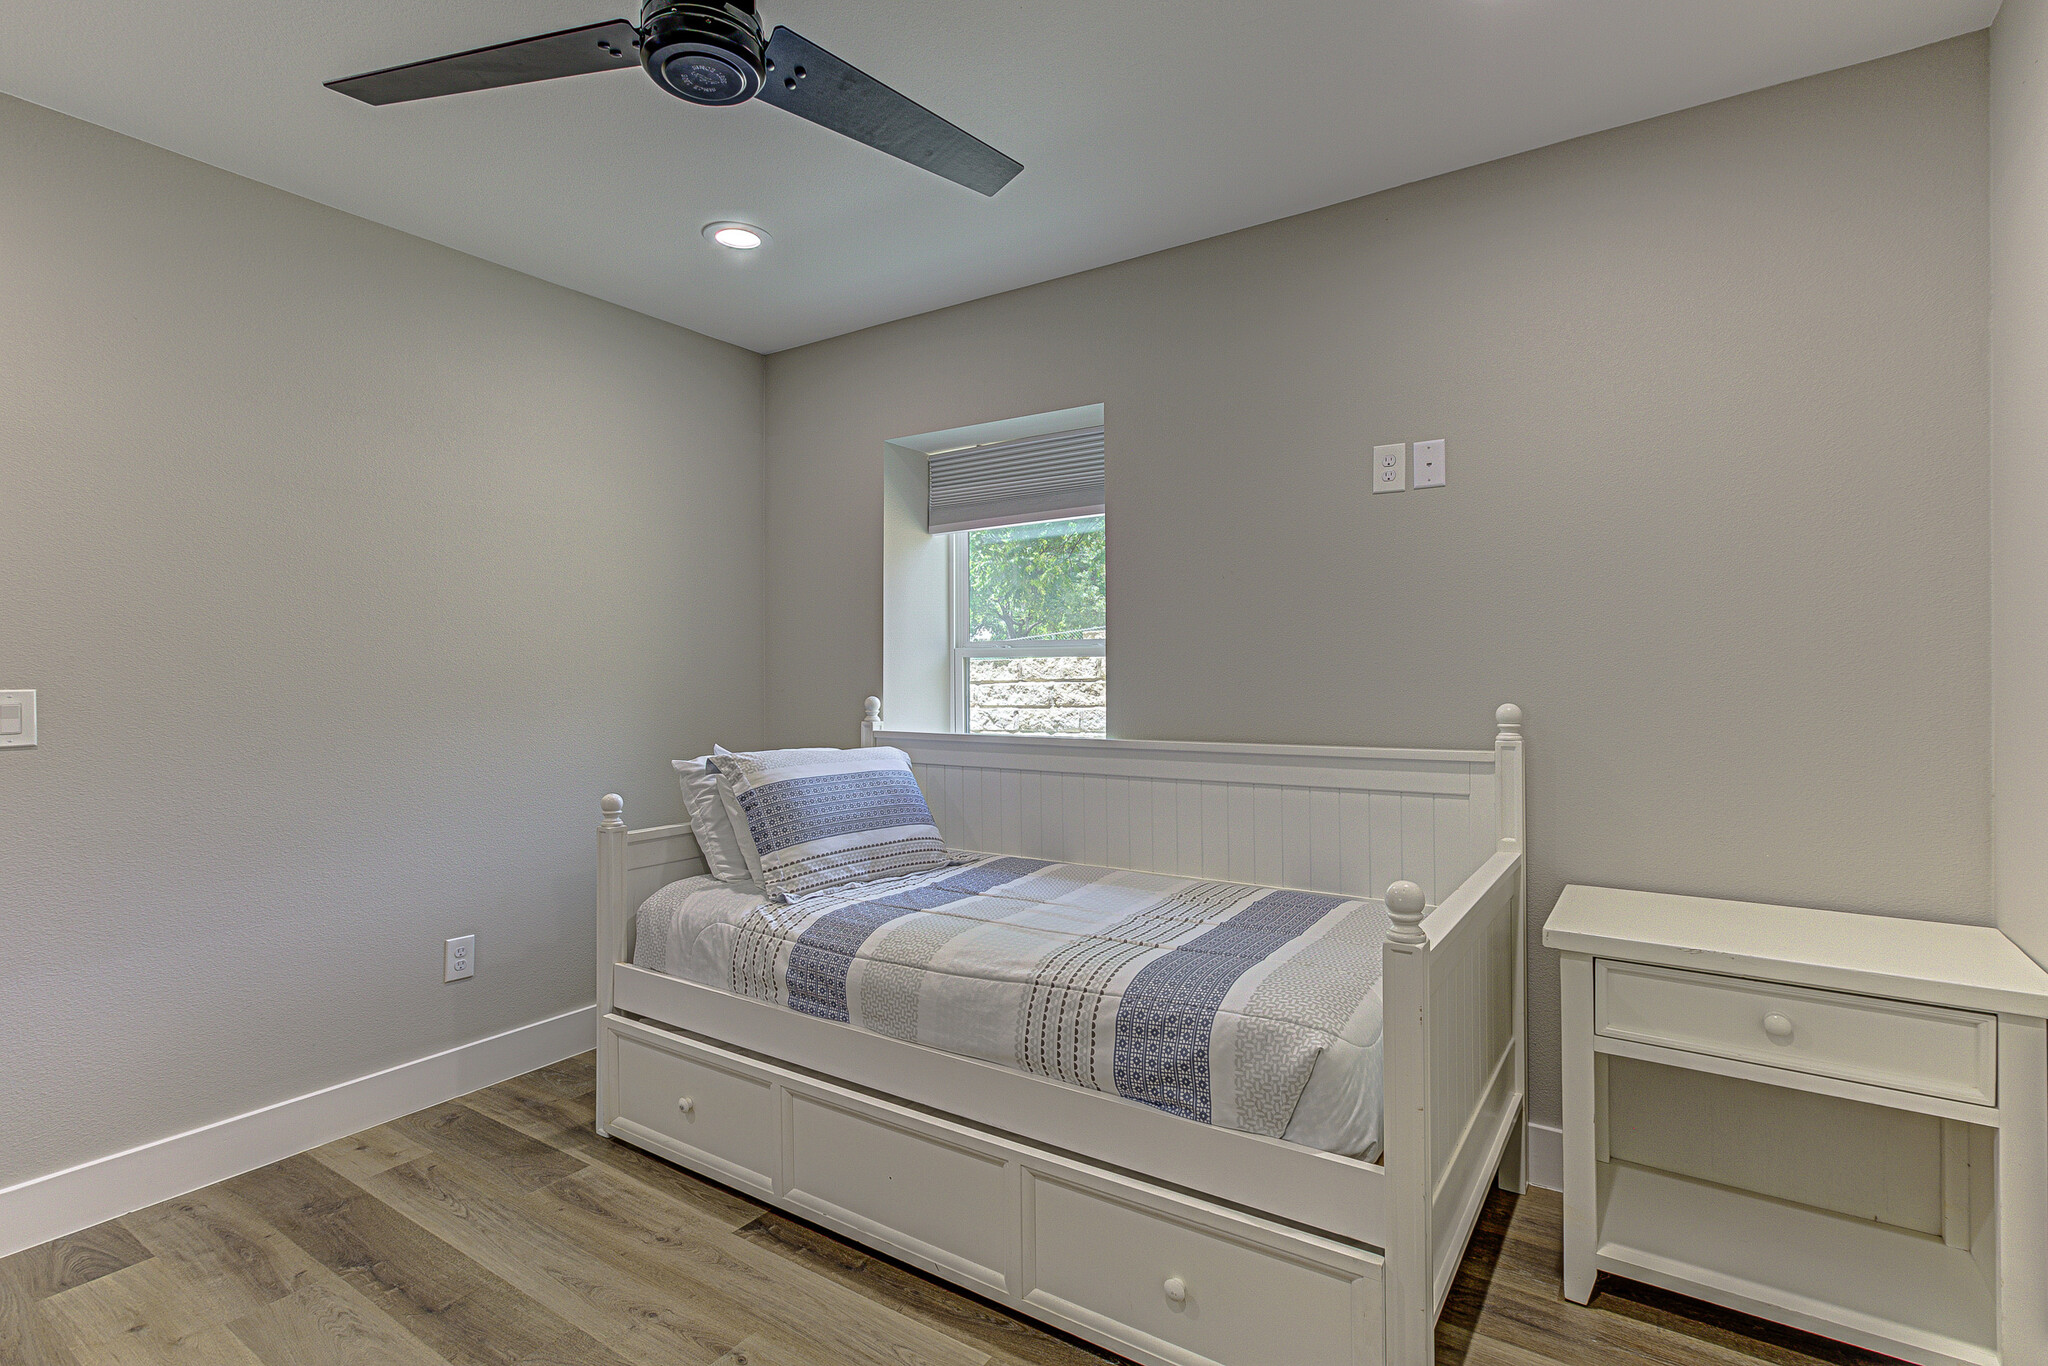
460,961
1429,464
1390,468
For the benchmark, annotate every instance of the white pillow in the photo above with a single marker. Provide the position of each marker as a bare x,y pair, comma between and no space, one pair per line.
810,819
723,853
735,819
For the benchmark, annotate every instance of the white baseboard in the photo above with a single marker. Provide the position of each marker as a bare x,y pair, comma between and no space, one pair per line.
1546,1156
46,1207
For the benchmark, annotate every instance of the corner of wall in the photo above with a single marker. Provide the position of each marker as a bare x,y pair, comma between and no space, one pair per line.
2019,472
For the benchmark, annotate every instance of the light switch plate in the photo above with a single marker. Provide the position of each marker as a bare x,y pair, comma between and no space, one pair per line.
18,719
1429,464
1390,468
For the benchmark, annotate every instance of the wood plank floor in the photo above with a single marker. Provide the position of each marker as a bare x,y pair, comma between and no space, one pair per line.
500,1230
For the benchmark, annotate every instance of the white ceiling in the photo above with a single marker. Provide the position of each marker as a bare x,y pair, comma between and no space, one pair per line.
1141,125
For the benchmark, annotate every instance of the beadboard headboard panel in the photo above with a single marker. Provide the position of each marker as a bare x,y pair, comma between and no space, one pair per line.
1326,819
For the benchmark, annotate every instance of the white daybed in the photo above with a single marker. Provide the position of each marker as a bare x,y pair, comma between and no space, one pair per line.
1166,1240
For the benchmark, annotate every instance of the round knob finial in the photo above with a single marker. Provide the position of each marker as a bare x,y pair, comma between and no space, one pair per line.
614,808
1508,717
871,710
1405,905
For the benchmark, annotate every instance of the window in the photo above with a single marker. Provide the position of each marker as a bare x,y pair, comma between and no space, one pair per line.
993,577
1029,628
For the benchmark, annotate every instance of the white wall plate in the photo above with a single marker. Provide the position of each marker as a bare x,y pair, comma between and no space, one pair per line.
1429,464
18,719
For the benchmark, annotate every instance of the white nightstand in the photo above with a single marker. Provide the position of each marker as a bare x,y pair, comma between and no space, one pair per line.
1836,1121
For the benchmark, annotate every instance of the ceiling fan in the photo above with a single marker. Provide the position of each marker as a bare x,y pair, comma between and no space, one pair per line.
712,54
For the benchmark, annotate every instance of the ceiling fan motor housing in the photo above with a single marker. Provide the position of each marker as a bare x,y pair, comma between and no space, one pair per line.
703,53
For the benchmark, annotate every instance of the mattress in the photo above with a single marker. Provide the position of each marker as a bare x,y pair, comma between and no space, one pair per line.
1251,1008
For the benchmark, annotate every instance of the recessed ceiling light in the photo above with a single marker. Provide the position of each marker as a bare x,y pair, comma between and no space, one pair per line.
738,236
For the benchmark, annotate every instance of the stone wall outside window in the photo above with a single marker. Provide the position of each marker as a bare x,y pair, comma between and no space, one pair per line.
1049,695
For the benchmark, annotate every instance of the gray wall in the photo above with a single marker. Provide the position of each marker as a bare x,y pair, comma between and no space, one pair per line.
916,581
2019,463
1715,392
351,571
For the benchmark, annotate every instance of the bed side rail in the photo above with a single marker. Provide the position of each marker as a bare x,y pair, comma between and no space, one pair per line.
1452,1069
1455,1067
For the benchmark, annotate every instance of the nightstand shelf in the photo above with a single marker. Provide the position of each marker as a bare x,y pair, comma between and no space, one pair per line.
1835,1121
1850,1279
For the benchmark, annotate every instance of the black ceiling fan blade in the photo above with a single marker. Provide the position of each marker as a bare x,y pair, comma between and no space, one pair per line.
813,84
571,52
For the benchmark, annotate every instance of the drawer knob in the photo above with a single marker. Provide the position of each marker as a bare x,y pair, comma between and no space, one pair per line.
1176,1289
1777,1026
686,1105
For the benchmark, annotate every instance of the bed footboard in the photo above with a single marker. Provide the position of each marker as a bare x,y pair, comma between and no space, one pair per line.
1455,1070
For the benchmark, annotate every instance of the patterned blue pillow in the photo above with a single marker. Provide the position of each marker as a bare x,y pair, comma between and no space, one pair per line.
819,818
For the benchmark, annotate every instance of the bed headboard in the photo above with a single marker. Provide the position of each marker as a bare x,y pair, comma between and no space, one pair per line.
1322,818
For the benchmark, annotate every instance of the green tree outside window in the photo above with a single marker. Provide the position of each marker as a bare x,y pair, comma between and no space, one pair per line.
1042,581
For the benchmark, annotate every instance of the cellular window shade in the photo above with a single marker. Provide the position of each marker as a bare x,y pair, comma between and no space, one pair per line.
1032,480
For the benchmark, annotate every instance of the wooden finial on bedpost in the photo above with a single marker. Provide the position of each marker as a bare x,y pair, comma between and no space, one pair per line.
1405,905
614,808
870,720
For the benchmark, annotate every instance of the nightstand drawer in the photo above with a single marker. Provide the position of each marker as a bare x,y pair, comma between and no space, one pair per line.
1928,1050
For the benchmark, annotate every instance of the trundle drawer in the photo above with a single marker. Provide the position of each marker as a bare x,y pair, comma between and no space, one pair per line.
928,1191
1928,1050
1197,1284
1162,1276
698,1106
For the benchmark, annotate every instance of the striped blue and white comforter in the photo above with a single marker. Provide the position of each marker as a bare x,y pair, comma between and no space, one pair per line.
1246,1007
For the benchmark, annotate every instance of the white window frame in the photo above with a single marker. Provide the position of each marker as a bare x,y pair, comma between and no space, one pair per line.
957,592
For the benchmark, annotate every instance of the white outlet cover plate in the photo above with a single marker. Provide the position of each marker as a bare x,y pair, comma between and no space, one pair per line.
1390,468
1429,464
460,960
18,719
